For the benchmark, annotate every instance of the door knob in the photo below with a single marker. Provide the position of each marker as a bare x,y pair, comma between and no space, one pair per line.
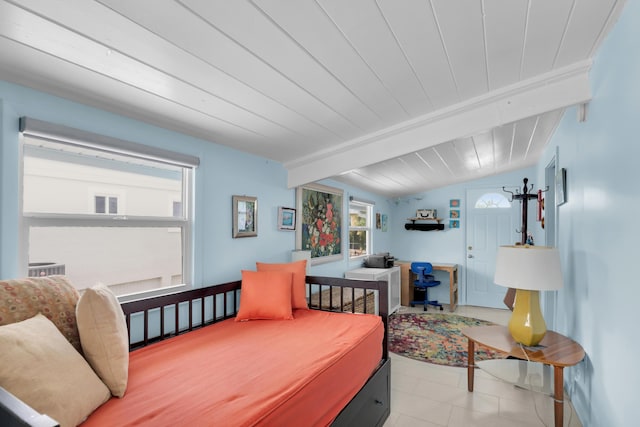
469,256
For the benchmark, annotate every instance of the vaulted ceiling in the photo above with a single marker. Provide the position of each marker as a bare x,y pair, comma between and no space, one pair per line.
393,96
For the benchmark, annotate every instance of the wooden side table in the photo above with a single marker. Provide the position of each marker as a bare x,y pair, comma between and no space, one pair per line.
554,349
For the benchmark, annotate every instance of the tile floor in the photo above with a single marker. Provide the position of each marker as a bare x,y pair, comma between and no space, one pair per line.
428,395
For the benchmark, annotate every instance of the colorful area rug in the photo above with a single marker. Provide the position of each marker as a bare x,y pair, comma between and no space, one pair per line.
435,338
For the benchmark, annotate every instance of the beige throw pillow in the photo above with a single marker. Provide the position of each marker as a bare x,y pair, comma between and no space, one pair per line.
40,367
104,337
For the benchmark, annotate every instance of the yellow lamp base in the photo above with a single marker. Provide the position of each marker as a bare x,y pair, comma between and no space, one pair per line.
527,325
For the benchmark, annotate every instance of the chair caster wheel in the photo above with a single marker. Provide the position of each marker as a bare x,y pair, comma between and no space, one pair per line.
412,305
441,308
425,308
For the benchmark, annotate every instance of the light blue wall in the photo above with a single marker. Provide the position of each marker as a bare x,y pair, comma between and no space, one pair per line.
9,188
448,246
223,172
598,233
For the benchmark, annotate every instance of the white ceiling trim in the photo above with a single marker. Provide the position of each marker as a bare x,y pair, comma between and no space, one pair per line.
546,92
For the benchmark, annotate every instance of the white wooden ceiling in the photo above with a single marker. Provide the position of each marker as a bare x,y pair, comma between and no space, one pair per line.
394,96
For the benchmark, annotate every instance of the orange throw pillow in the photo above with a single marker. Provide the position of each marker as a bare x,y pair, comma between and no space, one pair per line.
299,270
265,295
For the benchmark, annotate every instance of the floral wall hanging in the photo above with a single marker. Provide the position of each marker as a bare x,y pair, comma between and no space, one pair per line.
320,222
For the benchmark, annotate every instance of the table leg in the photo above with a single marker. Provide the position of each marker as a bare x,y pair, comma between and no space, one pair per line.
452,302
471,364
558,395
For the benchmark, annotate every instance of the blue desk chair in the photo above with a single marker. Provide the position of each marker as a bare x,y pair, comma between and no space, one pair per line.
424,281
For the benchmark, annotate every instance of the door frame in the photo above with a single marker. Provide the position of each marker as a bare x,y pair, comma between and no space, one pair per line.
550,300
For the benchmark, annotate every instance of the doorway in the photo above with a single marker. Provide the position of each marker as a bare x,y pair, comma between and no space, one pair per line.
492,220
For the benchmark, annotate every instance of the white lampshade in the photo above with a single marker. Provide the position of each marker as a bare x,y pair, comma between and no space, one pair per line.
528,267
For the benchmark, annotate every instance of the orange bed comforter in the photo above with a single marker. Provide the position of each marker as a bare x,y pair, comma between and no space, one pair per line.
299,372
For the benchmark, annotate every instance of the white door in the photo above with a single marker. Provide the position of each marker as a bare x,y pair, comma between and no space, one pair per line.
491,221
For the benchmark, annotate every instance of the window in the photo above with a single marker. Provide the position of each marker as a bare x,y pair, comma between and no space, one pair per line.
359,229
492,201
124,237
102,202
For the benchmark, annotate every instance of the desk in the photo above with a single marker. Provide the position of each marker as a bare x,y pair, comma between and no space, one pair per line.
554,349
407,282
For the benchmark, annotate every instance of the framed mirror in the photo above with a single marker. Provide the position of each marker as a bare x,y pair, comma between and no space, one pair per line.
245,216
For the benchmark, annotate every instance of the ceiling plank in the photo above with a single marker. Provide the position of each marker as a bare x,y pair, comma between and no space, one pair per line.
247,26
322,38
414,25
584,30
364,26
545,28
461,26
212,46
505,29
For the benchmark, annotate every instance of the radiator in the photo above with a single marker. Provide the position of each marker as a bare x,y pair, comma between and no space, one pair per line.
39,269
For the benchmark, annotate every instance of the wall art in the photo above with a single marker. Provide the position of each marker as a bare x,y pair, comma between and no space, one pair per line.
245,216
286,218
319,228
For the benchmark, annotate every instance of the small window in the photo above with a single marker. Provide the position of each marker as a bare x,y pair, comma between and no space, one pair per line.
106,204
492,201
359,229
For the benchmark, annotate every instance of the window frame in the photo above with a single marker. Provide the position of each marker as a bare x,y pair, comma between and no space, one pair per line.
107,203
59,134
368,228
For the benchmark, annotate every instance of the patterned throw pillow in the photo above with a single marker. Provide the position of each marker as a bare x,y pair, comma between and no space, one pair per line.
53,296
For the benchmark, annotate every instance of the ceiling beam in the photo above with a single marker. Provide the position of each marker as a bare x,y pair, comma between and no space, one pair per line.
546,92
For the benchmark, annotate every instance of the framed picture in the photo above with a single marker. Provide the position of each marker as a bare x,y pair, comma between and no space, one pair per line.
378,221
245,216
384,222
454,213
454,203
454,224
561,187
286,218
319,222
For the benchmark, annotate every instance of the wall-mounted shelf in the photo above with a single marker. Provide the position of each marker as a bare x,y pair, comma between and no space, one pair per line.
427,224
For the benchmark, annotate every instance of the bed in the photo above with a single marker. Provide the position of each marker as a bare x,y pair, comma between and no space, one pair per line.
326,367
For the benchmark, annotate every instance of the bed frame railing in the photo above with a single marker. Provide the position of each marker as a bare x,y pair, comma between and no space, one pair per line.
154,319
166,315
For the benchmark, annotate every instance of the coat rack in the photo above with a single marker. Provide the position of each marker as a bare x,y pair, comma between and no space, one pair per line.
524,198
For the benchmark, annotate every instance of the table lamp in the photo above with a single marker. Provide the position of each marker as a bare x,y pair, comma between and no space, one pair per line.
529,270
